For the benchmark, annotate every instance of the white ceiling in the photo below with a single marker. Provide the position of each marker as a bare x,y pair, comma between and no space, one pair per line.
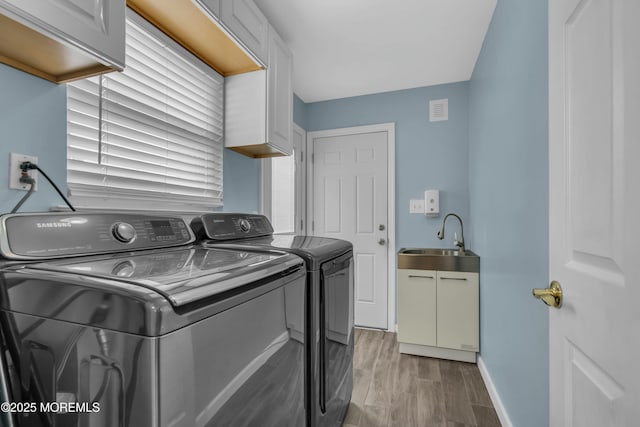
346,48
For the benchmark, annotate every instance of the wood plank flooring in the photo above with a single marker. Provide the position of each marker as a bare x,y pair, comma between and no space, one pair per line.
393,389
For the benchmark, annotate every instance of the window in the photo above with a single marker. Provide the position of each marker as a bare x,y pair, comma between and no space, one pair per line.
149,137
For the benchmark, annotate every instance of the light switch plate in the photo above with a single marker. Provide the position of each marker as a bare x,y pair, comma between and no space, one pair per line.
416,206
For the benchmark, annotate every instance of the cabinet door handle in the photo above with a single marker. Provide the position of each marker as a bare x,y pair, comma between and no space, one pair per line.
411,276
454,278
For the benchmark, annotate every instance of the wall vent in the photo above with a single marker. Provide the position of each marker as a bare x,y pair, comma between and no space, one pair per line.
438,110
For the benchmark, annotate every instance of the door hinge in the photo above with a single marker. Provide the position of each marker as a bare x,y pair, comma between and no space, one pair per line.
313,158
301,225
301,156
313,226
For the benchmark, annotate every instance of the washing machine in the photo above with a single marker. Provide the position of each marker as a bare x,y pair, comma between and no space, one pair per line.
330,303
117,319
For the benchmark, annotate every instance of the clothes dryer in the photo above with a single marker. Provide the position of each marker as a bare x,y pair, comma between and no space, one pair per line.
330,303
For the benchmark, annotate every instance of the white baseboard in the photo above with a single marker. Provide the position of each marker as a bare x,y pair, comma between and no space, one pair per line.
439,352
493,394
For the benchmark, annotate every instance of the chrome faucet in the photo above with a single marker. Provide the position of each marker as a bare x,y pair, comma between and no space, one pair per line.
458,243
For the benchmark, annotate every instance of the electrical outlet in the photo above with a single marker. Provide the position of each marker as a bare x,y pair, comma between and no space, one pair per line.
416,206
15,160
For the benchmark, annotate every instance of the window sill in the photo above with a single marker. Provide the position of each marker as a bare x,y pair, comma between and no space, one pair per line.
115,204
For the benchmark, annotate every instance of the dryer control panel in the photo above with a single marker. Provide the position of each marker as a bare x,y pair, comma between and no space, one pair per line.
231,226
57,235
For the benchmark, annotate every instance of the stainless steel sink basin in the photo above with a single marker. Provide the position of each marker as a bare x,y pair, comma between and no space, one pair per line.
429,251
438,259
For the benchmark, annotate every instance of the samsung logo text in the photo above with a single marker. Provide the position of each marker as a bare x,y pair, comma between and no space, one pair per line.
53,225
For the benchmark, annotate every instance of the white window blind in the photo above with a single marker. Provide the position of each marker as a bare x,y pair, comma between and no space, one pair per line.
150,136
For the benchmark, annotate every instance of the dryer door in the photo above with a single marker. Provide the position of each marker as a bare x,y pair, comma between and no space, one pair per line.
336,337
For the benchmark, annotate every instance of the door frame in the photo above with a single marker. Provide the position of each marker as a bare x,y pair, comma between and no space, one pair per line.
390,129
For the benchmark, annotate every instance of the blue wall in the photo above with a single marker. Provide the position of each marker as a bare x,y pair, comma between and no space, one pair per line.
33,122
428,154
508,178
241,183
299,112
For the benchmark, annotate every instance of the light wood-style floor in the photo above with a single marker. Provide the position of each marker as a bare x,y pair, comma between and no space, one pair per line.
393,389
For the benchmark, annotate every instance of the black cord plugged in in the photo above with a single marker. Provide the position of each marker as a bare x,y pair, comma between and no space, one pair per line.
25,166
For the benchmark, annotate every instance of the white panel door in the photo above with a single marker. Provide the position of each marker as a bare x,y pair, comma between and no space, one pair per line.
350,202
594,218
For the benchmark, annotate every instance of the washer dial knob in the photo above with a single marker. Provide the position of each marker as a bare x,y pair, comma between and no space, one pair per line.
123,232
245,225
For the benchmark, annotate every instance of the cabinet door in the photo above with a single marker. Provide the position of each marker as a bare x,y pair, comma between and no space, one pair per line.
245,114
211,6
248,24
458,310
97,26
280,93
417,306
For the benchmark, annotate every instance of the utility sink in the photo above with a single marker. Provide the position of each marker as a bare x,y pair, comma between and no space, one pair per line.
439,259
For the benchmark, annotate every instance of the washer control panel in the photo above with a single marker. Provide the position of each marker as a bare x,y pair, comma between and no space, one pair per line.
43,236
231,226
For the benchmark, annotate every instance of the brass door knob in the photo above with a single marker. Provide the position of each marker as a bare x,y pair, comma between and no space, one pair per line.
552,296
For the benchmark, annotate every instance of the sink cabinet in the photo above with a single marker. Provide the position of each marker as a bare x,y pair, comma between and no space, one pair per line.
438,313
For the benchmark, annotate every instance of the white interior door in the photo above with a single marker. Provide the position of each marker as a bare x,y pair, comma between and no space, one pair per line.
594,154
350,202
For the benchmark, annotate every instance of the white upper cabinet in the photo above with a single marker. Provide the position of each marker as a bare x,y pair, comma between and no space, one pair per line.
211,6
248,24
75,35
259,106
280,93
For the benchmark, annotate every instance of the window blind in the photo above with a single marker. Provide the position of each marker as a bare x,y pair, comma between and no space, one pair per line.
151,133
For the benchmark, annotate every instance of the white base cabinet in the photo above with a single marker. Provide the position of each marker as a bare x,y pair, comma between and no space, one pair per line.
439,314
